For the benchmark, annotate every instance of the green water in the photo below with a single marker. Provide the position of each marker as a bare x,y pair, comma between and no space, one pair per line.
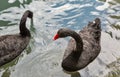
42,57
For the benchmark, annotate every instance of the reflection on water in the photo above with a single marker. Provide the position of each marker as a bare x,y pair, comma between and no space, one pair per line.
13,3
42,58
115,69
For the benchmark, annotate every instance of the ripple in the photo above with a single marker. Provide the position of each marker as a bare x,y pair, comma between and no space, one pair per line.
43,55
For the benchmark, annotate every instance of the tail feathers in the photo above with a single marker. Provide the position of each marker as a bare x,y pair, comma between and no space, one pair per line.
96,24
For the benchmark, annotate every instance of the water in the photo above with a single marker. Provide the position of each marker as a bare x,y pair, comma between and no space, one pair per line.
42,58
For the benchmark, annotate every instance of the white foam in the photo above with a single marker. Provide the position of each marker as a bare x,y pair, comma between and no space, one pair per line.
104,6
11,1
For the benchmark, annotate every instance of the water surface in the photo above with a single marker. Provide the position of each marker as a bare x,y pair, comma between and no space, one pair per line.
42,58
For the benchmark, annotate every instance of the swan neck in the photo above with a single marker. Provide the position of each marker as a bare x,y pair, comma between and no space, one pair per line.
79,42
23,30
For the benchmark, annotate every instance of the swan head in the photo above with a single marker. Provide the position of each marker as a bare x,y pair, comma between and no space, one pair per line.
63,32
30,14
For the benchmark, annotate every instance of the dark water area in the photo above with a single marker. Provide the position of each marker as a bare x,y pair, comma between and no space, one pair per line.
43,56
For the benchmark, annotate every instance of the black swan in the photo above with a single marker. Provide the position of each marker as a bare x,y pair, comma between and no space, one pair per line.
12,45
83,48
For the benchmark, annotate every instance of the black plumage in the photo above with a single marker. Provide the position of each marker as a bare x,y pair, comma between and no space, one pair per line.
83,48
11,46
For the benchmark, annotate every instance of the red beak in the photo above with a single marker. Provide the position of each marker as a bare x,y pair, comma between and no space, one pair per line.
56,37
